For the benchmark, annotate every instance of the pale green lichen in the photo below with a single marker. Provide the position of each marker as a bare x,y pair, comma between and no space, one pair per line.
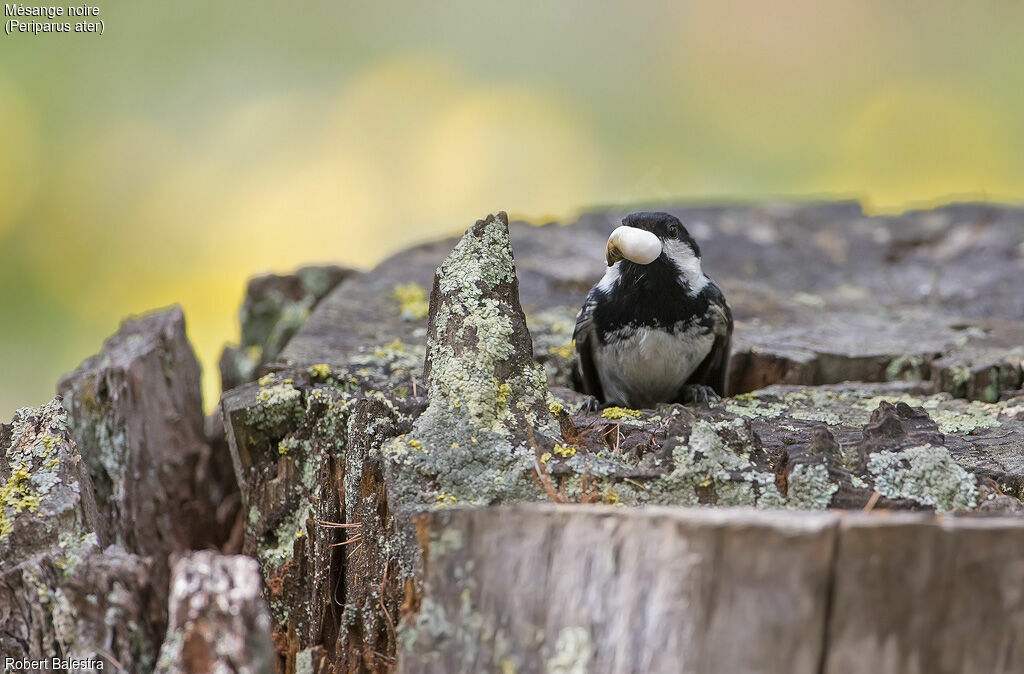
955,380
471,319
810,488
573,653
470,381
959,374
753,408
705,462
926,474
952,416
446,454
969,417
277,406
905,368
822,415
280,548
465,445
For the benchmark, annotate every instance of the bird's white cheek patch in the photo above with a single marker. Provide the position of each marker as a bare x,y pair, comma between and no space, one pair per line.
636,245
607,281
688,265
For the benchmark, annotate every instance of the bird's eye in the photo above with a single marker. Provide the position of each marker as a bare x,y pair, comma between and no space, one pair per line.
673,231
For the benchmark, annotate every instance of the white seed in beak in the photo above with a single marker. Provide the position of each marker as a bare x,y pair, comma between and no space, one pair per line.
633,244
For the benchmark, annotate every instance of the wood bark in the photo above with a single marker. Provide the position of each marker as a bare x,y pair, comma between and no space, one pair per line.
581,589
218,618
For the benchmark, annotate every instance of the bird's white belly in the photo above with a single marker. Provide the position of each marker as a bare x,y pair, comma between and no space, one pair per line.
649,366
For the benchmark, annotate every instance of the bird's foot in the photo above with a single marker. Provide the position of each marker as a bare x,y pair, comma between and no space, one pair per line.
589,405
699,394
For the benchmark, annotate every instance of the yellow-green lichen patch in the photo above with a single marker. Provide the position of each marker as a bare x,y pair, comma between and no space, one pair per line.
16,496
320,371
562,351
38,443
926,474
564,451
49,443
413,303
287,446
617,413
392,348
393,360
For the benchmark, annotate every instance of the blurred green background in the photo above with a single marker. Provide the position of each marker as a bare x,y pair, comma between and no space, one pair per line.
195,144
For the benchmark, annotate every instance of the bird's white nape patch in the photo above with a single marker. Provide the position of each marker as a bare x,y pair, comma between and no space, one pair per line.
611,276
688,264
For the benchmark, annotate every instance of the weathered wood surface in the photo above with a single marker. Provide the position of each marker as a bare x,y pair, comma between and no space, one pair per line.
598,589
64,591
218,618
275,306
100,489
942,596
136,412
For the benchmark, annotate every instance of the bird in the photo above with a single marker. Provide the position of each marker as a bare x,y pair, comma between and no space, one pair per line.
655,328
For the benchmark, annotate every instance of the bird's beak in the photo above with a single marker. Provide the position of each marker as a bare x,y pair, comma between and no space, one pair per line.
633,244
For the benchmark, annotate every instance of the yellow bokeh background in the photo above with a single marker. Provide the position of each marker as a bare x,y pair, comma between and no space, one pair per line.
193,145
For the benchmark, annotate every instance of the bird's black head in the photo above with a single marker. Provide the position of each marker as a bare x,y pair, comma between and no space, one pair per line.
663,225
655,248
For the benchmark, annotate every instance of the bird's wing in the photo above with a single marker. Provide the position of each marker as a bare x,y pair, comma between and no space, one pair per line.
714,369
584,334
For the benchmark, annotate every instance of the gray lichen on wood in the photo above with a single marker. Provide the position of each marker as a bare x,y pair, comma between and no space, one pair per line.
483,386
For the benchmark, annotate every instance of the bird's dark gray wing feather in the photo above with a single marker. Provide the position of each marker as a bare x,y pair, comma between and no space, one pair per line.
714,369
584,369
